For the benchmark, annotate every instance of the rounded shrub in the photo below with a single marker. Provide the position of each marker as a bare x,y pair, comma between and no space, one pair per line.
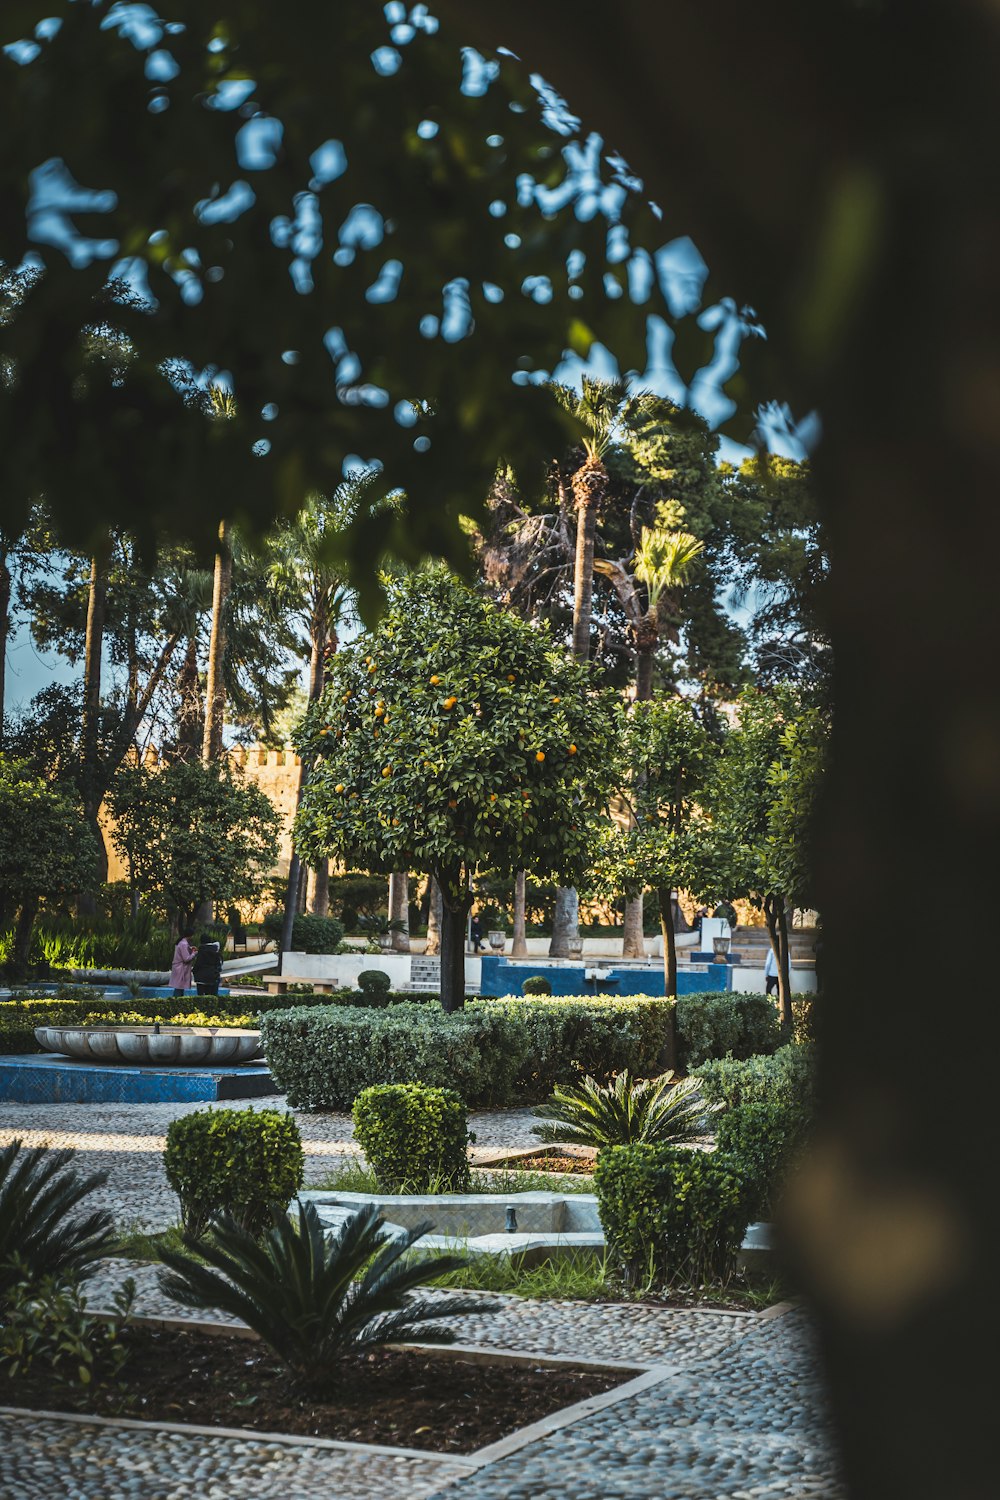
414,1137
536,986
375,984
674,1217
233,1161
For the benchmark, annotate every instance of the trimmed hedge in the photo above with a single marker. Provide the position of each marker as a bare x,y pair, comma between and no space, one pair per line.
674,1217
718,1024
415,1138
768,1106
375,984
492,1052
565,1038
788,1075
233,1161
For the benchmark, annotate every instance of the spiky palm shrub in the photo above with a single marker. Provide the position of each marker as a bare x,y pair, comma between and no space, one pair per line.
39,1232
627,1111
318,1300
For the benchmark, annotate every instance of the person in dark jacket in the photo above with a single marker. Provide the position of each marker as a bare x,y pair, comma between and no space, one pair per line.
207,970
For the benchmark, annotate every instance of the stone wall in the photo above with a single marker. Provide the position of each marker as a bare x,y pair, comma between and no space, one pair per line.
276,772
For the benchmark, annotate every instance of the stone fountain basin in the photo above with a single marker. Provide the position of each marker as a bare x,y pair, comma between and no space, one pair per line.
182,1046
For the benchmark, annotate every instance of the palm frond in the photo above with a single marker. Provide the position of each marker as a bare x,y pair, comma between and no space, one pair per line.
625,1112
316,1298
39,1193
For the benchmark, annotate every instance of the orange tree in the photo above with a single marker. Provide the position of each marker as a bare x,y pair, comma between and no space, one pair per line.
455,737
670,762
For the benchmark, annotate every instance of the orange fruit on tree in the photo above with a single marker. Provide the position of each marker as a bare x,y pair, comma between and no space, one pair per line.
386,770
452,803
435,680
557,700
539,755
339,787
572,749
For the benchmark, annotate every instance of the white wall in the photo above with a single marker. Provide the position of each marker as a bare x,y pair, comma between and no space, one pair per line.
342,969
751,981
538,947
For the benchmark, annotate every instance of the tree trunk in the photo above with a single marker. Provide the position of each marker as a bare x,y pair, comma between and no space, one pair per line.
434,909
319,889
669,942
5,590
565,922
215,694
453,955
633,940
399,910
784,969
191,714
583,579
644,672
90,774
774,919
22,937
291,905
519,946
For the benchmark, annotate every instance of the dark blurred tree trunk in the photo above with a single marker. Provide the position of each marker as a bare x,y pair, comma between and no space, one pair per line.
871,256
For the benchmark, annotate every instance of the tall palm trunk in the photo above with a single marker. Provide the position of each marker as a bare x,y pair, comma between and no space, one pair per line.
215,695
589,484
318,894
646,637
90,775
589,487
519,946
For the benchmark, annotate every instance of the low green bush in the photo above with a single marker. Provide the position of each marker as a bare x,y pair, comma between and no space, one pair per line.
310,933
717,1024
235,1162
671,1217
492,1052
786,1075
536,985
47,1330
414,1137
767,1106
195,1018
376,985
18,1019
763,1137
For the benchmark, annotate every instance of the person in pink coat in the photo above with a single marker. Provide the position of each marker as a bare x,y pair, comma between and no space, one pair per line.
180,969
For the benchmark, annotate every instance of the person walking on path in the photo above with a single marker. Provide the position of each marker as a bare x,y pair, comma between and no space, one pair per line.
207,969
770,971
183,962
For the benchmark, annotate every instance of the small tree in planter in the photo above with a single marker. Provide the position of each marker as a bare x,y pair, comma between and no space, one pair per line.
670,761
454,737
770,776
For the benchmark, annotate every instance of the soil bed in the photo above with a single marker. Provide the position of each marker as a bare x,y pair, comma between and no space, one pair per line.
563,1166
406,1399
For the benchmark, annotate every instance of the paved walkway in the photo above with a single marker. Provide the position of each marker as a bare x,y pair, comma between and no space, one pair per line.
733,1407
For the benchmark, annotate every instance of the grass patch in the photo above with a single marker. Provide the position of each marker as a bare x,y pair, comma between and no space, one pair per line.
357,1177
589,1276
135,1243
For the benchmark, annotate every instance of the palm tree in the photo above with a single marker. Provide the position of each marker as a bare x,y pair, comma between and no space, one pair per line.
660,565
602,411
309,574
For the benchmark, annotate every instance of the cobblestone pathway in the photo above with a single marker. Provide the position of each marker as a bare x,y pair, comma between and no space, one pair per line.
738,1412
